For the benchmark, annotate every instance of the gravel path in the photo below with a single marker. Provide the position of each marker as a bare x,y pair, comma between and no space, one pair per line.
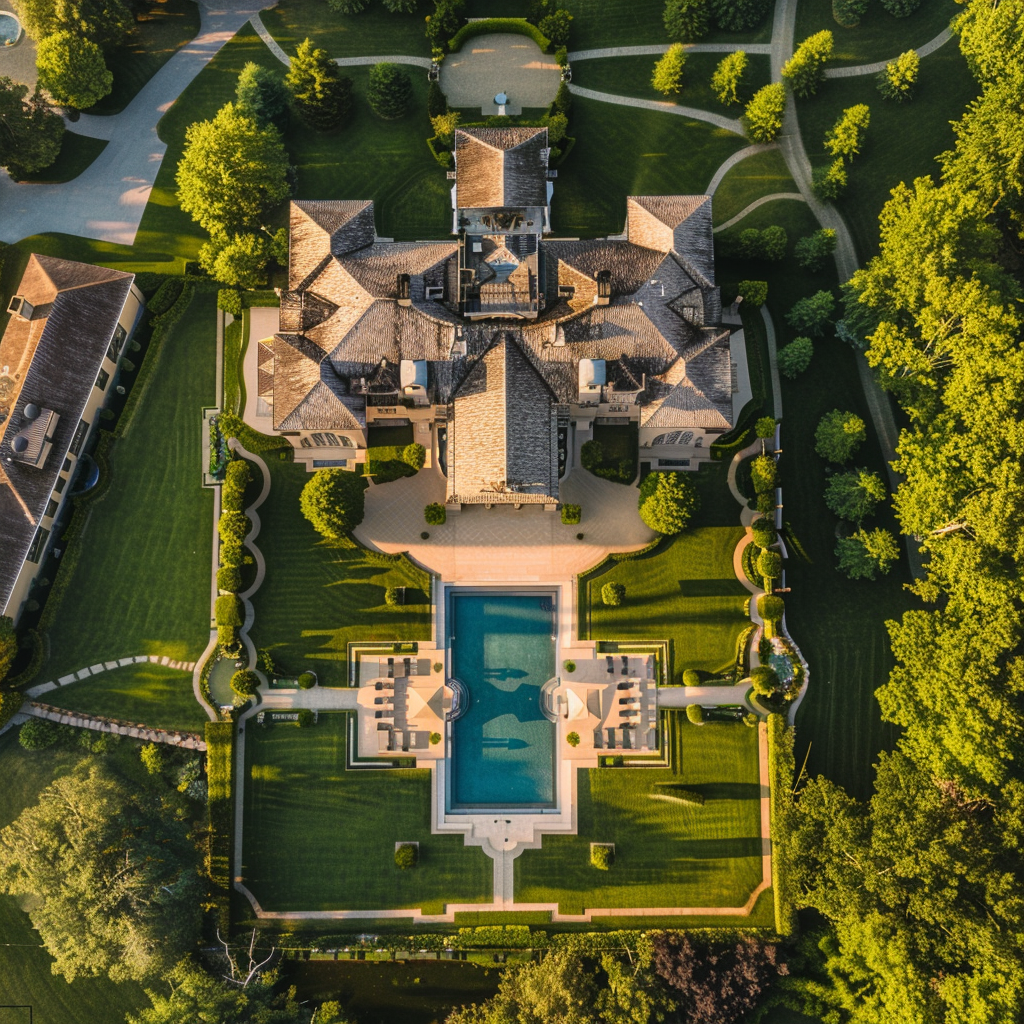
755,204
872,69
657,50
664,107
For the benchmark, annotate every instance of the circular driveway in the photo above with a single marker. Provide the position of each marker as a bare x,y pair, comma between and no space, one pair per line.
501,62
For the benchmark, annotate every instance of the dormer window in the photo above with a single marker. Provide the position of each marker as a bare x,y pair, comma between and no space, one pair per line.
20,306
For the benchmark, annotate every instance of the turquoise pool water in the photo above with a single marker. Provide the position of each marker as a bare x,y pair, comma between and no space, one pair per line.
503,748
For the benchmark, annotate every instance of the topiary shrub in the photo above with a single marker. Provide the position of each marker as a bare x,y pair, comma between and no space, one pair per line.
668,501
695,714
227,639
307,680
771,607
230,579
763,473
573,739
764,533
435,514
764,680
795,357
435,738
602,855
166,296
754,292
38,734
333,501
394,596
306,718
245,682
228,611
572,514
406,856
569,666
691,677
769,565
613,594
765,503
415,455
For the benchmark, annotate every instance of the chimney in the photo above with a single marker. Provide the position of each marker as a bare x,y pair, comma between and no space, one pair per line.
604,288
404,290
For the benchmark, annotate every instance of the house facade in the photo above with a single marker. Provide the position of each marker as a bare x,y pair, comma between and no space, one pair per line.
59,356
504,339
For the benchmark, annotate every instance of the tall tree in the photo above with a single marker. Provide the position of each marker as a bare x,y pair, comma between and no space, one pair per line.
104,22
846,137
322,94
728,75
686,21
261,95
72,70
805,70
762,119
668,501
30,133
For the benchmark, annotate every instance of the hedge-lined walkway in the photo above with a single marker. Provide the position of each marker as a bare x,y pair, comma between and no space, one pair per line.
134,730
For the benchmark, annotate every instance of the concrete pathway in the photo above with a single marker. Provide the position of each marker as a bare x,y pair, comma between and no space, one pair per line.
187,740
730,162
107,200
873,69
750,207
658,49
662,106
107,666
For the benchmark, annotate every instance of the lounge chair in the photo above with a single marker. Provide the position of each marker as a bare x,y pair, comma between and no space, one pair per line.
378,685
611,663
624,686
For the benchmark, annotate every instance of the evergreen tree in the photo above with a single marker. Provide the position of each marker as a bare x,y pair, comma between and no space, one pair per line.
829,182
728,76
261,95
322,94
847,135
686,21
901,8
389,91
30,133
806,68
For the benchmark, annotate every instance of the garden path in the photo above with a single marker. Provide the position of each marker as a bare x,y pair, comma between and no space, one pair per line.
872,69
106,201
106,666
750,207
187,740
663,106
660,48
730,162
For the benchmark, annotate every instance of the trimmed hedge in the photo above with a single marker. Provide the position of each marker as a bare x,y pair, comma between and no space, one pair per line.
781,772
229,578
229,300
571,514
517,26
228,611
251,440
166,296
35,663
406,856
602,856
10,705
220,751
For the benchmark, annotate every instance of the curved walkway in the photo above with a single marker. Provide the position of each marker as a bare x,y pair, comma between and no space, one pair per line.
107,199
107,666
872,69
660,48
729,163
662,106
754,205
136,731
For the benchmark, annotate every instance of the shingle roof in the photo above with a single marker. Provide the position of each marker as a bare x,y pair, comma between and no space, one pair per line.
695,392
57,356
675,223
317,228
501,167
502,441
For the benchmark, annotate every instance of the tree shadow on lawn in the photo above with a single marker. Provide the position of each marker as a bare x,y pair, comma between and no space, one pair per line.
726,587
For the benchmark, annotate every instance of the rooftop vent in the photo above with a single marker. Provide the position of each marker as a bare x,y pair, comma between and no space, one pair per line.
31,411
20,444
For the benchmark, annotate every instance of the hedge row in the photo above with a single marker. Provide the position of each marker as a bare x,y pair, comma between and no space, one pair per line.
10,705
516,26
35,663
252,440
162,325
220,749
781,770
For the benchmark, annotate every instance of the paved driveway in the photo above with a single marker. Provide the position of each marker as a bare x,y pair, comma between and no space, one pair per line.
490,64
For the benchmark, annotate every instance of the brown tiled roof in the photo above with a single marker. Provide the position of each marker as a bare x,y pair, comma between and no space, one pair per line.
56,357
675,223
695,392
501,167
503,436
317,229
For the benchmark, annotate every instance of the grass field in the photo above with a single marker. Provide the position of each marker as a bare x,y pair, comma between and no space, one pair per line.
761,174
318,596
25,976
667,854
141,585
152,694
685,591
675,156
76,153
879,35
162,28
318,837
631,76
902,140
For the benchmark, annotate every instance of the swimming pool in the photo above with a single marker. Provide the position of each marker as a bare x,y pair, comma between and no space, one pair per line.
503,748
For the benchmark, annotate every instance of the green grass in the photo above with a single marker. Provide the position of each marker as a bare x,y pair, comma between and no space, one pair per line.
234,352
902,140
157,696
77,152
631,76
386,161
879,36
761,174
373,31
163,27
667,854
319,837
141,585
674,156
25,976
318,596
685,591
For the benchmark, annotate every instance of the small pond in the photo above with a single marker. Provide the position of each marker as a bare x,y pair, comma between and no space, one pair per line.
10,28
220,681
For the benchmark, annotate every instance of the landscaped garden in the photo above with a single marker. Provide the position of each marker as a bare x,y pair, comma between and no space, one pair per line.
320,595
319,836
670,850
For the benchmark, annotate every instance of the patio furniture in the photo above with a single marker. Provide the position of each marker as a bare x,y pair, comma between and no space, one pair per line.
611,663
381,726
379,685
623,686
611,738
598,740
391,668
407,662
625,665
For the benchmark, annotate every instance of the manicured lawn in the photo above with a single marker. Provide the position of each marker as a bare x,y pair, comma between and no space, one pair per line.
761,174
152,694
373,31
162,28
386,161
667,854
879,35
622,151
25,976
902,140
76,153
631,76
685,591
319,837
318,595
141,585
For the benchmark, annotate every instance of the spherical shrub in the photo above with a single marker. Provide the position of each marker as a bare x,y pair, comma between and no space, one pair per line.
38,734
435,738
414,455
245,682
306,718
406,856
230,579
764,533
307,681
613,594
695,714
569,666
573,739
435,514
602,856
691,677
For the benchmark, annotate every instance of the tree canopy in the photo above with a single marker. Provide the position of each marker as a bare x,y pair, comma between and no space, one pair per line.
728,77
322,94
839,436
389,91
30,133
686,21
103,22
332,501
668,71
806,68
72,70
668,501
762,119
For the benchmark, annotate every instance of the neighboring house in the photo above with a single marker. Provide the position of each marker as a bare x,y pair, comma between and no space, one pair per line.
503,336
68,328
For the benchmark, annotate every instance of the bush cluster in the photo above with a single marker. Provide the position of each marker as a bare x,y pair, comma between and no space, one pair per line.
766,244
435,514
406,856
602,856
572,514
613,594
245,682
